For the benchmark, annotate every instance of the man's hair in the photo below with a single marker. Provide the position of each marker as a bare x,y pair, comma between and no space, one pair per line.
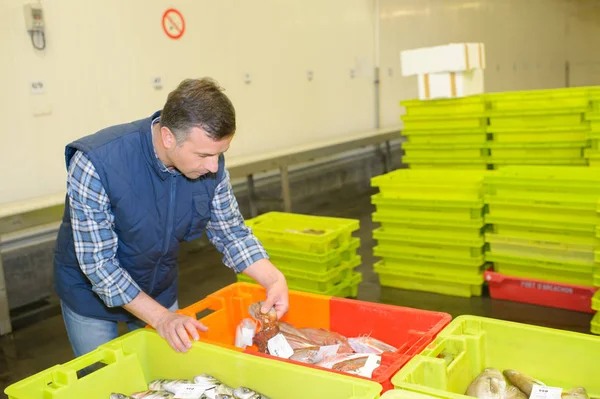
198,103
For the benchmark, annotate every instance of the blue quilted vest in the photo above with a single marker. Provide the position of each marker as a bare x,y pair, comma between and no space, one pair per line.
154,212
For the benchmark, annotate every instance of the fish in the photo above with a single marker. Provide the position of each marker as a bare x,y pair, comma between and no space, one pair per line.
297,342
323,337
152,395
207,380
490,384
166,385
346,362
575,393
306,355
370,345
119,396
247,393
224,390
522,381
512,392
269,326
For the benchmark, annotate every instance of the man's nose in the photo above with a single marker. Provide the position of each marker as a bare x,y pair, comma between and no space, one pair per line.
213,164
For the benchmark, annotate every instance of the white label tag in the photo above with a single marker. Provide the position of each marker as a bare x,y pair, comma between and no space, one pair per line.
373,361
247,336
189,391
544,392
328,350
278,346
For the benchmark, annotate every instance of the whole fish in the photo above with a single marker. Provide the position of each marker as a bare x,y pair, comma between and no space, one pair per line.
522,381
575,393
247,393
119,396
346,362
322,337
152,395
206,380
166,385
224,390
306,355
512,392
298,342
269,326
369,345
490,384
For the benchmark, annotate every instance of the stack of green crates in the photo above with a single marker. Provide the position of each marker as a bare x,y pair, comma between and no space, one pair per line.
445,133
316,254
431,230
540,127
544,222
593,117
595,324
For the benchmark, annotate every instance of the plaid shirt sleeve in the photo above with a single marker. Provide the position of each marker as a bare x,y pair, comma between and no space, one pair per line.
228,233
94,236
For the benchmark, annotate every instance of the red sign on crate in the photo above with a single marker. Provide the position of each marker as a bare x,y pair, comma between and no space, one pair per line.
538,292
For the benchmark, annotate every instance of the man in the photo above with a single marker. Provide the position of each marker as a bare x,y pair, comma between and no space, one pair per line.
135,191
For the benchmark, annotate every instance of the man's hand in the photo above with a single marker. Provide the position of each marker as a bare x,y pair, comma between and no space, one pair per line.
173,327
267,275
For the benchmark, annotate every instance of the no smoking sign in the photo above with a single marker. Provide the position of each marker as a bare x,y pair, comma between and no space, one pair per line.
173,23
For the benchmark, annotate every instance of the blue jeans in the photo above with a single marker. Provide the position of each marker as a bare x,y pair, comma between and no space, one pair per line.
86,334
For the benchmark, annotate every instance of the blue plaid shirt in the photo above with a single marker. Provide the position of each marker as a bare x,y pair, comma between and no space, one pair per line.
96,241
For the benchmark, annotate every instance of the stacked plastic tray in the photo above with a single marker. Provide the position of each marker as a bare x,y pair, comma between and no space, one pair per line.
543,222
593,117
445,133
595,324
431,230
541,127
315,253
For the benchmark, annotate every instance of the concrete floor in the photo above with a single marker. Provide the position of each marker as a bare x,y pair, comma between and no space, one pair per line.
43,344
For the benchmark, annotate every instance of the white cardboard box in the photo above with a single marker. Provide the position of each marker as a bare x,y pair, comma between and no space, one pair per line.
453,57
450,84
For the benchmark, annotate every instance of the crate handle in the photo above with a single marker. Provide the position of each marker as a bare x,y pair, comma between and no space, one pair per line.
67,373
215,304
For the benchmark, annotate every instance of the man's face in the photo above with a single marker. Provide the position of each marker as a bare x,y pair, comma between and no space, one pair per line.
197,155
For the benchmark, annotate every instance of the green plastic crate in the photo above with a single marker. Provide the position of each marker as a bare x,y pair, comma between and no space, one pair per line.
536,153
449,152
452,106
345,289
465,165
443,122
428,250
596,301
595,324
545,234
433,230
537,252
399,256
470,229
550,178
429,209
441,139
430,183
391,265
440,238
287,231
578,204
317,282
572,162
588,227
576,273
474,343
135,359
538,136
446,284
533,213
535,119
318,263
563,243
542,101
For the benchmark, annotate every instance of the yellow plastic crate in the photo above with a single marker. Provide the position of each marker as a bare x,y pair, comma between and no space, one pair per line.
593,157
545,234
522,248
556,100
436,137
577,273
469,269
540,136
571,162
446,284
497,154
399,256
473,343
453,106
443,122
566,204
139,357
317,234
587,227
596,301
476,165
429,209
535,214
535,119
545,178
429,184
447,152
595,324
427,250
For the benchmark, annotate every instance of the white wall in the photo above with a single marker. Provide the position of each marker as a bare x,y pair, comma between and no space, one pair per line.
528,42
99,64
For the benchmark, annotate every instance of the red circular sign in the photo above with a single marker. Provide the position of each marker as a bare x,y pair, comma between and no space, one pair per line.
173,23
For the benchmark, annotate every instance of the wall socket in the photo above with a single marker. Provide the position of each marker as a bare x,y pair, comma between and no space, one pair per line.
37,87
157,83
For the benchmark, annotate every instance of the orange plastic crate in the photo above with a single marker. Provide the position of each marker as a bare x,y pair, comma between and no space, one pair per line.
410,330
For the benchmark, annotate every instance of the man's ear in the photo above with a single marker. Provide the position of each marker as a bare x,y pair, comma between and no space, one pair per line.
167,137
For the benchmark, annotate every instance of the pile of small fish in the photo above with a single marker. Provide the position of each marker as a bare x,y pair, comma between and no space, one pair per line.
359,355
203,386
492,384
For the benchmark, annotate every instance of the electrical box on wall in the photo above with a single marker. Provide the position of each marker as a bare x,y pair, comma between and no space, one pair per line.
34,17
34,23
